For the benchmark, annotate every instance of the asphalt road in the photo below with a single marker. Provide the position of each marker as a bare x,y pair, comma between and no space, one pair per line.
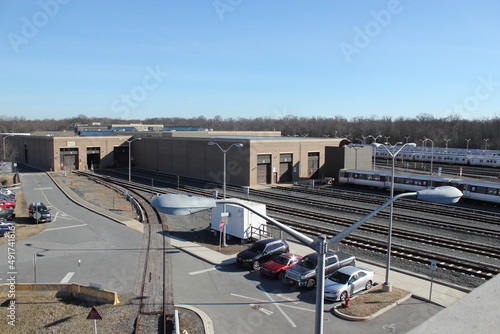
78,246
242,301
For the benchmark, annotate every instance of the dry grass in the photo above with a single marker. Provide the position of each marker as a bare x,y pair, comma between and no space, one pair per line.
372,301
43,314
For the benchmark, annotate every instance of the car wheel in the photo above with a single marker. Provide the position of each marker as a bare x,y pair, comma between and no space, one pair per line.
343,295
10,207
256,265
311,283
281,275
368,285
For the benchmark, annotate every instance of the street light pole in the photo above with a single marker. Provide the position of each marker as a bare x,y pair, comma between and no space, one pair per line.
485,143
224,151
175,204
468,140
374,149
432,151
447,140
387,286
130,158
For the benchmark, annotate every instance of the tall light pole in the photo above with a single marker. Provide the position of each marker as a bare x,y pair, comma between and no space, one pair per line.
374,149
175,204
393,153
5,137
447,140
130,157
468,140
224,151
485,144
356,147
432,151
407,138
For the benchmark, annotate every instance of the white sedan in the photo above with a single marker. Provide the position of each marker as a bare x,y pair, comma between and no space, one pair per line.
348,280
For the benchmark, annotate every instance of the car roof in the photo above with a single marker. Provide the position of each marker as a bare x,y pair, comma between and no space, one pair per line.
349,270
268,241
290,255
37,204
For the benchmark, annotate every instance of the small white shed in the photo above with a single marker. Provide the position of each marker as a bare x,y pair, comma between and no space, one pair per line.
241,222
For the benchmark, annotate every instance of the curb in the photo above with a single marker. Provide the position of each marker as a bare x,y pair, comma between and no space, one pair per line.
89,206
374,315
207,322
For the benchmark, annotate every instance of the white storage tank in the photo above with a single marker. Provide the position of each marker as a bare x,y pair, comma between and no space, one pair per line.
242,223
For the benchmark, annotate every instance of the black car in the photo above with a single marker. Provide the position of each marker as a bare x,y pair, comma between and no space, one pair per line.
39,212
7,214
262,251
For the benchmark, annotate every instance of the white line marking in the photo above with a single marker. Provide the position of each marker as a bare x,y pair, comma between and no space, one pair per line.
60,228
67,277
202,271
46,188
278,306
55,216
260,308
288,298
266,301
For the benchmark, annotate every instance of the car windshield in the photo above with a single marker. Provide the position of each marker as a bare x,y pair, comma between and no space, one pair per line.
39,208
282,260
339,277
308,263
257,248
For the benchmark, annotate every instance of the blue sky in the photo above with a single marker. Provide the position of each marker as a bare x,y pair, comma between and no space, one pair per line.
240,58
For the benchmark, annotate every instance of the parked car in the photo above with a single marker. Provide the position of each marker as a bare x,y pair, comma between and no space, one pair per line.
7,204
347,281
39,212
262,251
7,214
303,273
3,230
7,192
277,268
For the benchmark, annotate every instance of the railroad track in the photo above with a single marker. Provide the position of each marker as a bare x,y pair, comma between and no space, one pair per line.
156,302
477,215
457,264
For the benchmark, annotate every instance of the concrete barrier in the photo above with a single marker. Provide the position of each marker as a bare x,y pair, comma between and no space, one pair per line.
81,292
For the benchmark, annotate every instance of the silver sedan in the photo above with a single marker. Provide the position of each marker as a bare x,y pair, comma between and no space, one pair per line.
348,280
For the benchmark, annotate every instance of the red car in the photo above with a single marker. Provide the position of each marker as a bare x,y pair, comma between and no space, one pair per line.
277,267
7,204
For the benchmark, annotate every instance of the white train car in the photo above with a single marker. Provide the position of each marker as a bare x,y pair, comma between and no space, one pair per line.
382,180
478,190
475,190
485,161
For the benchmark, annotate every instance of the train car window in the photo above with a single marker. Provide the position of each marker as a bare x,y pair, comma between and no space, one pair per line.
424,183
408,181
492,191
481,190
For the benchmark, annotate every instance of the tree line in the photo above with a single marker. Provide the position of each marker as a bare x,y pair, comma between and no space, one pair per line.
453,131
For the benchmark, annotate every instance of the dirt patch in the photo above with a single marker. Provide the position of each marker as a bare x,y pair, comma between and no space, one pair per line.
41,314
374,300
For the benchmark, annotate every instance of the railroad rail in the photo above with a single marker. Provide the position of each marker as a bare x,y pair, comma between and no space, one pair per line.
156,303
457,264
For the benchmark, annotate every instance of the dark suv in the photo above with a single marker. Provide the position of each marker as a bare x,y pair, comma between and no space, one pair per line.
262,251
39,212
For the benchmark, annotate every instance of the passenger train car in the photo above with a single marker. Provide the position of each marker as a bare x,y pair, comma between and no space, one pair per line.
441,155
473,190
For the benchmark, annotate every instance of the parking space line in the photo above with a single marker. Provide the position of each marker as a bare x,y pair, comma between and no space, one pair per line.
202,271
67,277
60,228
278,306
267,302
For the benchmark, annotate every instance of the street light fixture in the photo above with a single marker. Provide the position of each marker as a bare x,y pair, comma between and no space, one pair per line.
374,149
176,204
130,157
485,143
393,154
356,147
468,140
5,137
